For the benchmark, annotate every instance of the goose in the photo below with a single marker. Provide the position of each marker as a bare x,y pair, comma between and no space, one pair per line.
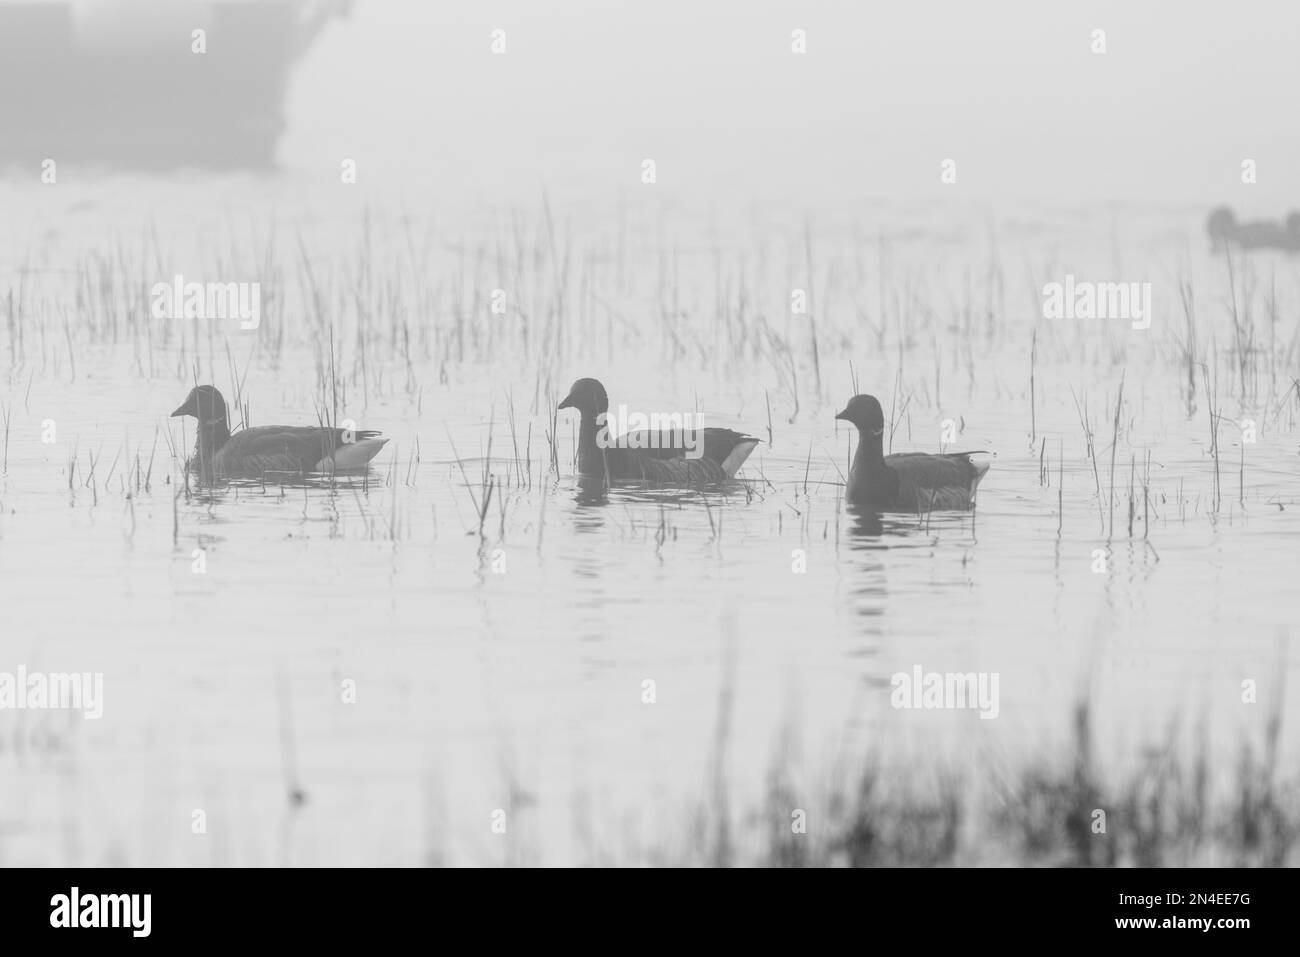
250,453
908,481
647,456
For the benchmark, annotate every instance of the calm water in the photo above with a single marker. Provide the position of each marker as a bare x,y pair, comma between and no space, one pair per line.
505,670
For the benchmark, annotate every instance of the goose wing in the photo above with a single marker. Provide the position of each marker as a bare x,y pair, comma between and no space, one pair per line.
932,471
666,466
273,448
661,456
936,481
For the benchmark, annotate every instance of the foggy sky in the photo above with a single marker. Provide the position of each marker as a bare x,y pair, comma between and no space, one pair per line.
711,91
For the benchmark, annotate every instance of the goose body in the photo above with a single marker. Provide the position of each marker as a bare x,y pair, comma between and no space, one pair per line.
907,481
253,453
646,456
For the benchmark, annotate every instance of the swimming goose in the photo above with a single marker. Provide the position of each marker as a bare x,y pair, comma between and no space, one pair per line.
908,481
251,453
647,456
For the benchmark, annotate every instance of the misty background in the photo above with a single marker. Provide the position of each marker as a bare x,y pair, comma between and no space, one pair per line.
713,94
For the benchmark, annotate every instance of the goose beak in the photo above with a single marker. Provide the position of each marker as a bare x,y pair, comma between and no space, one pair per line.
843,415
183,410
567,403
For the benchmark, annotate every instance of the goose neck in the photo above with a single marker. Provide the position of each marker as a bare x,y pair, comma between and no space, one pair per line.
871,451
591,458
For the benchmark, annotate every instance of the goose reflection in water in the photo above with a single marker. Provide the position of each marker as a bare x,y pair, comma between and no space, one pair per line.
591,491
867,533
868,528
595,491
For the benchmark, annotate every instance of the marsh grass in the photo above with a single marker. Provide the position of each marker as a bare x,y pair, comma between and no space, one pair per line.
5,415
1174,807
379,315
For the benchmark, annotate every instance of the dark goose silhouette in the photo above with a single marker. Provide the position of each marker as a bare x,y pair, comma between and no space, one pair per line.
1225,230
908,481
251,453
647,456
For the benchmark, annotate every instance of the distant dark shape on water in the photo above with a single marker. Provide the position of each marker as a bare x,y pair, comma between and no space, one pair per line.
269,450
1225,231
128,84
905,481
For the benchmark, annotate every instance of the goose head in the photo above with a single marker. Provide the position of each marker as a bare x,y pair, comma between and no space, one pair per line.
204,403
588,397
864,411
